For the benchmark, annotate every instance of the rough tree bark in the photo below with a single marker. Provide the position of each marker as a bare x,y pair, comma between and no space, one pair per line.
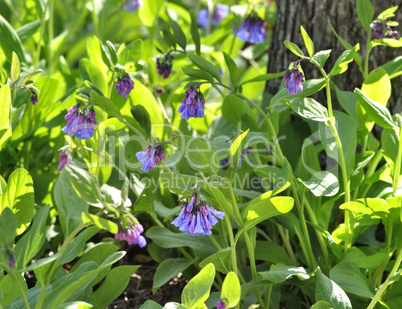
314,15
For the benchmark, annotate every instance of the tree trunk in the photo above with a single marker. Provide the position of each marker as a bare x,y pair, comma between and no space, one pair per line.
314,16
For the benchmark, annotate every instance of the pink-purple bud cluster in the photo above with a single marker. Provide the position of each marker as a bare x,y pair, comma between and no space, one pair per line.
383,31
64,158
193,104
293,79
220,304
124,85
197,218
150,157
164,67
132,235
252,30
80,121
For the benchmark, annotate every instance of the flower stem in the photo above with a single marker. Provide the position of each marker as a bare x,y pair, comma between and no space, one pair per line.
24,297
397,169
41,33
367,55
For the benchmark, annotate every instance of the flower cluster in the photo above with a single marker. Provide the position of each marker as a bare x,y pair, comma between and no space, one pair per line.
193,104
220,12
225,161
293,79
383,31
124,85
64,158
80,121
221,304
132,235
252,30
154,154
164,67
132,5
197,217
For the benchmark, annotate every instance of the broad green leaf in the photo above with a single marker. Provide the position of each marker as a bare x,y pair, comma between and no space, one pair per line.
233,109
197,74
341,64
387,42
322,56
3,76
365,12
165,238
132,53
32,296
91,72
10,41
31,243
235,151
75,248
179,35
112,52
197,290
393,67
366,206
31,78
280,273
308,108
388,13
322,183
327,290
390,142
321,305
348,276
15,68
195,33
371,262
150,304
10,290
115,283
169,269
279,178
69,205
8,227
85,184
94,51
98,254
43,262
264,209
19,197
220,259
307,42
100,222
149,11
231,290
205,65
234,72
142,116
263,77
294,48
379,113
5,117
271,252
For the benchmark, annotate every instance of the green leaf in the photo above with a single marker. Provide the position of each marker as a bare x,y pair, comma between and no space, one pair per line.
5,117
387,42
31,243
264,209
365,12
91,72
28,79
341,64
19,197
322,56
149,11
75,305
322,183
348,276
379,113
234,109
236,150
3,76
195,33
294,49
388,13
179,35
307,42
393,67
197,290
263,77
220,259
10,41
197,74
169,269
205,65
231,289
141,115
15,68
10,290
132,53
8,227
280,273
85,184
327,290
321,305
234,72
112,52
114,285
308,108
100,222
69,205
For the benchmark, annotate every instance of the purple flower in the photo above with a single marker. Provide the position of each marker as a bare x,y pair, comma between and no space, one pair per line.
149,158
11,262
252,30
34,97
64,158
80,122
220,304
164,67
132,235
383,31
197,219
193,104
293,79
220,12
124,85
132,5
